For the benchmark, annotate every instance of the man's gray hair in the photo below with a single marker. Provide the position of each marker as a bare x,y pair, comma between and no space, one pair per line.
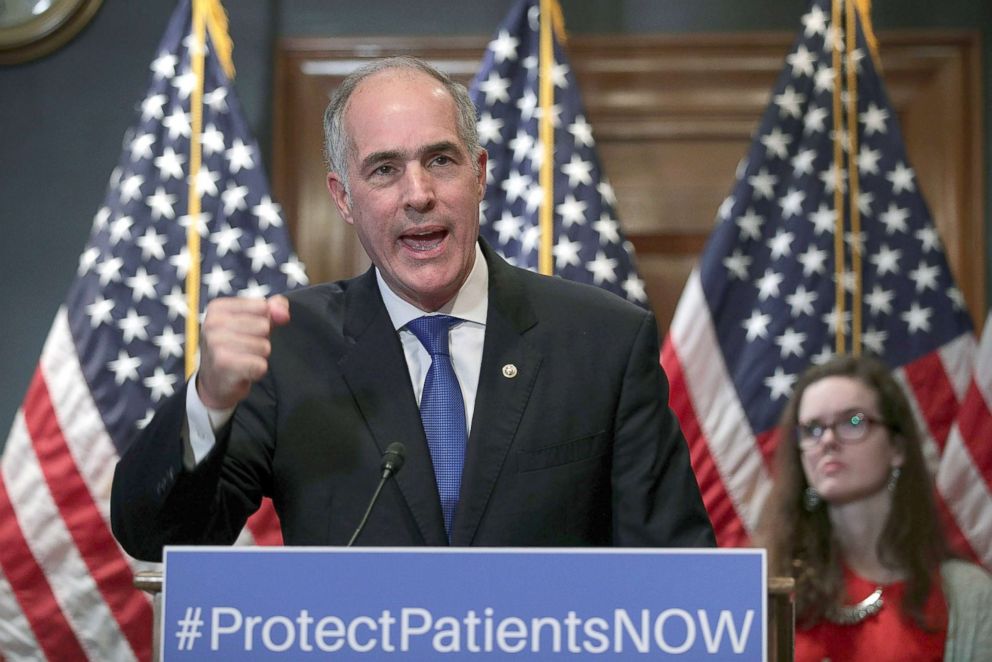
338,145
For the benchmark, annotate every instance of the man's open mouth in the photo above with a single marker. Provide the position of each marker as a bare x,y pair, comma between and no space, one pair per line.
424,241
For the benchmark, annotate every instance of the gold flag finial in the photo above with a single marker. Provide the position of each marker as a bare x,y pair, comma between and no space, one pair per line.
864,12
217,26
558,22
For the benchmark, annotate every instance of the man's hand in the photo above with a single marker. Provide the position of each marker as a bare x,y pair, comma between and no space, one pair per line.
235,347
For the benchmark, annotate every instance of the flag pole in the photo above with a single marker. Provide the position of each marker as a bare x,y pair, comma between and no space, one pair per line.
546,135
851,42
840,339
220,40
207,14
197,52
864,10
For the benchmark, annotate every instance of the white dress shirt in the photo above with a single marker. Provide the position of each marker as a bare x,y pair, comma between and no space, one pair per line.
470,304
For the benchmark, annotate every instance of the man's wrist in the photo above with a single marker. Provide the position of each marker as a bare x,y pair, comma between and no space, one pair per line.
204,422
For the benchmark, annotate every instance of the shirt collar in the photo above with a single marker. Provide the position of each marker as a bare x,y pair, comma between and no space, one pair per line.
471,302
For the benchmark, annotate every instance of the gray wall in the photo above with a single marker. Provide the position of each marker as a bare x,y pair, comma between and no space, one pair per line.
62,118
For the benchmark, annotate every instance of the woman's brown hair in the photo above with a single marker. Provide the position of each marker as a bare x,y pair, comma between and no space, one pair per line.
800,542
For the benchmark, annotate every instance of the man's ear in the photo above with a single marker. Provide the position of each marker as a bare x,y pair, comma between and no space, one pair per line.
339,196
483,158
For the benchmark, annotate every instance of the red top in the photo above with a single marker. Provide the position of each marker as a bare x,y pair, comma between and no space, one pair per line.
887,636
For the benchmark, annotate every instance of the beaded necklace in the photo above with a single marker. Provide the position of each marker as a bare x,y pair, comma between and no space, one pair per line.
853,614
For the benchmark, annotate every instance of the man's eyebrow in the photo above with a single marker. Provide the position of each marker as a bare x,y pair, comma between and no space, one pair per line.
442,146
378,157
375,158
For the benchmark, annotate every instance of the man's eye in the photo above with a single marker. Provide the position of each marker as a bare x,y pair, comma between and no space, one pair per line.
441,159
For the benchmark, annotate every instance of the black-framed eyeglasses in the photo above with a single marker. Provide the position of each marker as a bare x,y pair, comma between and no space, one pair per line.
850,427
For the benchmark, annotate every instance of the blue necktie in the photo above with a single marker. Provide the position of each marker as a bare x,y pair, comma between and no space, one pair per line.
442,411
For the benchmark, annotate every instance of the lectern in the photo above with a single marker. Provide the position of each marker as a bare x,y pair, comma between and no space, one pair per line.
425,603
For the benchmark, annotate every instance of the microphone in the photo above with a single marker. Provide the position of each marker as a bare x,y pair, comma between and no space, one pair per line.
393,459
392,462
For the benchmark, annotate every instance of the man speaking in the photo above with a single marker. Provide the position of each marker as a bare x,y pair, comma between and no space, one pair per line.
533,410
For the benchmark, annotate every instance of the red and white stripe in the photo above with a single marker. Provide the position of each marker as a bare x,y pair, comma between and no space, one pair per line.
66,586
725,455
964,477
936,385
70,580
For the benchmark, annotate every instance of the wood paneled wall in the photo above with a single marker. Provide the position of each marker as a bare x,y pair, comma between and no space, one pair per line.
672,116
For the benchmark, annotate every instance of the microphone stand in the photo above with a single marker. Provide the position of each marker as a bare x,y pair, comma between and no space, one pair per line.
392,462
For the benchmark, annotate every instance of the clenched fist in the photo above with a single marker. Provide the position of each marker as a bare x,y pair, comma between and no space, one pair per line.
235,347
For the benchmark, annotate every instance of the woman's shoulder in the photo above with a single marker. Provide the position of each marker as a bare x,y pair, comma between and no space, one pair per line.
959,569
962,578
968,591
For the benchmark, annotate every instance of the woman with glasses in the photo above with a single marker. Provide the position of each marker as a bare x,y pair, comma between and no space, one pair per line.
852,518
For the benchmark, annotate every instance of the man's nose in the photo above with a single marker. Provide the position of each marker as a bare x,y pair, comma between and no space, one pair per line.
420,194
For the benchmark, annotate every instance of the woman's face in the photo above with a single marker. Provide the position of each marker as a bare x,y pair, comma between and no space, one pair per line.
847,452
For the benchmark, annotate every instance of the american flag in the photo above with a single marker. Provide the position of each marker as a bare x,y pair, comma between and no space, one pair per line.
588,243
116,349
964,477
761,305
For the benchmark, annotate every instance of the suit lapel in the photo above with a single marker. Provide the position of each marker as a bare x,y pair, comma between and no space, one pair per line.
375,371
507,376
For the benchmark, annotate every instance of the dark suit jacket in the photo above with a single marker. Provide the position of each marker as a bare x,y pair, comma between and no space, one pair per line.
579,448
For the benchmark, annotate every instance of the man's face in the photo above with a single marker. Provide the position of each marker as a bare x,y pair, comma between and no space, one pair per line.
415,189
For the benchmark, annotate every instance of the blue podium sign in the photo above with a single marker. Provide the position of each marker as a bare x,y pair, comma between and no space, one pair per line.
462,604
